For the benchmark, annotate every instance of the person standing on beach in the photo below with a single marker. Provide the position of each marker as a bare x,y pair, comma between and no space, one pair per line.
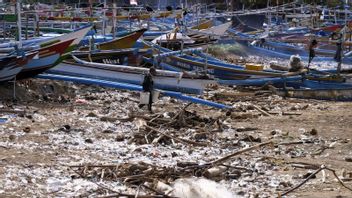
148,86
313,44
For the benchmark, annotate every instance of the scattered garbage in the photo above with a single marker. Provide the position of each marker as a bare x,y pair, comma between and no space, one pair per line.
3,120
98,143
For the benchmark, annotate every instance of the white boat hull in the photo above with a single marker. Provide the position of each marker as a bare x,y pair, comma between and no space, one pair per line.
132,76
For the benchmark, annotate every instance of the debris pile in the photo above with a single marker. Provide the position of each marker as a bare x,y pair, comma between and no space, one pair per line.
98,143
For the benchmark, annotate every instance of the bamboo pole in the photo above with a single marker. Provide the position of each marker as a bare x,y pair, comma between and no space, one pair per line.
19,23
114,20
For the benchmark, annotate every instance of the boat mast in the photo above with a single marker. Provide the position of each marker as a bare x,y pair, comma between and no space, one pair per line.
104,19
114,13
339,65
267,30
277,11
19,23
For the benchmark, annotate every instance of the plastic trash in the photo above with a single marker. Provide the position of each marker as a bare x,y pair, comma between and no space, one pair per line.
3,120
144,97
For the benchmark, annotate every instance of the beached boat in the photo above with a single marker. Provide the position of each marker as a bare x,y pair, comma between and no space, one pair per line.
119,43
129,56
166,80
203,25
218,30
205,63
10,66
44,60
36,43
268,47
77,36
337,94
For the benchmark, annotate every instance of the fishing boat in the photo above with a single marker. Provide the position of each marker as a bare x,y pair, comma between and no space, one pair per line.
77,36
119,43
10,66
204,63
203,25
129,56
337,94
165,80
274,48
44,60
191,38
218,30
36,43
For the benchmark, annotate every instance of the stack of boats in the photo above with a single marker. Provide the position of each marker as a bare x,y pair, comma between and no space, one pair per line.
123,53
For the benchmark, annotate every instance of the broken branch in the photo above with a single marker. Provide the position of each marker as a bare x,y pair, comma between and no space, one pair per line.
176,138
261,110
312,175
223,159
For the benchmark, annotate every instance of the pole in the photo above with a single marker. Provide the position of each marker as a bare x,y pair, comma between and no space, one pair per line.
114,20
104,18
277,11
339,65
27,19
36,24
19,23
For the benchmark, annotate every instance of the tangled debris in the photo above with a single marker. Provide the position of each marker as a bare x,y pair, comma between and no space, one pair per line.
74,140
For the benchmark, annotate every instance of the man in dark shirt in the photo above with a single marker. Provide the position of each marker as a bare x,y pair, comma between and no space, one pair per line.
313,44
338,38
148,86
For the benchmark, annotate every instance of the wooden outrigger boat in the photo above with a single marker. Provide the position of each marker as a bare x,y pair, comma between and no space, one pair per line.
46,58
201,37
166,80
77,36
119,43
218,30
36,43
129,56
337,94
203,25
10,66
212,66
269,47
283,50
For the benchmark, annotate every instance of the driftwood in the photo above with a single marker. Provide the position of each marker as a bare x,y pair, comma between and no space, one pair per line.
176,138
312,175
261,110
295,142
285,113
304,165
178,114
12,111
117,195
291,113
220,161
223,159
137,174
